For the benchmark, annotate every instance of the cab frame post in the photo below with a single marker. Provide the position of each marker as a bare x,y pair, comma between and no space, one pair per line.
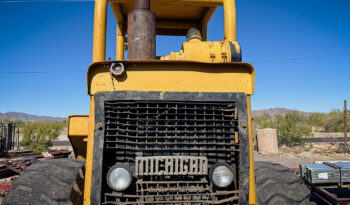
99,41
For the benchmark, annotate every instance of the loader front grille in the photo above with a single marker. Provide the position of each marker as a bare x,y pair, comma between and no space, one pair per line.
170,128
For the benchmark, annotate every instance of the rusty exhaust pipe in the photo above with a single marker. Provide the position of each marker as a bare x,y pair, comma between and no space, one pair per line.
141,32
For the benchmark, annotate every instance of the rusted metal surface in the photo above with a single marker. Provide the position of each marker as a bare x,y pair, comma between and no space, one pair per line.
244,124
10,170
328,195
9,136
171,165
99,126
185,200
199,196
141,32
324,139
4,189
55,154
5,185
13,162
142,5
9,154
344,147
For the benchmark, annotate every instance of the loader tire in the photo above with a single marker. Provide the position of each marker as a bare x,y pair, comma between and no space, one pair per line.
48,182
276,184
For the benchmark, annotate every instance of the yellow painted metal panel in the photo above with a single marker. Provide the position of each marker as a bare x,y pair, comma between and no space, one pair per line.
182,11
174,76
89,154
77,133
178,24
204,31
119,15
79,146
170,11
205,21
179,2
78,125
208,14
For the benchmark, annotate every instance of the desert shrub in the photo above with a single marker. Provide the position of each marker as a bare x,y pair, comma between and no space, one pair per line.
290,128
317,119
334,121
38,136
264,121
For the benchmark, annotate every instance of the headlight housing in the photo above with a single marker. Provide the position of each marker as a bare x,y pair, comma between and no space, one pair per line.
221,174
119,177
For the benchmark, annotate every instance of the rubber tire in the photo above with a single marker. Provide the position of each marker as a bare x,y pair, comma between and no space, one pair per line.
276,184
48,182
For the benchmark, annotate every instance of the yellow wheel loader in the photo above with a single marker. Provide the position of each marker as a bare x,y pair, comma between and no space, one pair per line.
172,129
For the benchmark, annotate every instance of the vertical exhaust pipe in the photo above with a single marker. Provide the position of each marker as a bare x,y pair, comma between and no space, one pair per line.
141,32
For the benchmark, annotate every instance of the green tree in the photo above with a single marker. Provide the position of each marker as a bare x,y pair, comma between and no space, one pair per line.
38,136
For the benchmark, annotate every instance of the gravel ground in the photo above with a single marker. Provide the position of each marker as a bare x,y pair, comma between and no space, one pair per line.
288,162
293,156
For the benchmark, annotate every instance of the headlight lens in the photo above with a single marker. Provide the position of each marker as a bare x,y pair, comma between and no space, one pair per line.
119,178
222,176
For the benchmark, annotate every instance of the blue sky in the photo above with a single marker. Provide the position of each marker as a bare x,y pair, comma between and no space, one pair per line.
275,36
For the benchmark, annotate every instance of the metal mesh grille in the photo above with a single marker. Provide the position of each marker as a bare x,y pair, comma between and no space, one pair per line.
163,128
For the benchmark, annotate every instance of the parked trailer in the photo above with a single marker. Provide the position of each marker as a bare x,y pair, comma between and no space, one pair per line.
328,181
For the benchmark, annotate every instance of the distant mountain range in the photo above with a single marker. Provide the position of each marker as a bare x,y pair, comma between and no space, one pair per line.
27,117
277,111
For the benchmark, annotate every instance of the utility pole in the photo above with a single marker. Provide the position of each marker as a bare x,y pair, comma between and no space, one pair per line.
18,146
345,123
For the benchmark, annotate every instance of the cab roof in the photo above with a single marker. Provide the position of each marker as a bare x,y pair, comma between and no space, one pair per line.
174,17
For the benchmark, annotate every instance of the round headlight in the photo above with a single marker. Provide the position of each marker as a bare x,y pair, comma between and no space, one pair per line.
221,175
119,178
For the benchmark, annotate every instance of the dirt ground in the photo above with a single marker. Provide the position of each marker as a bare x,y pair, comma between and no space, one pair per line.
293,156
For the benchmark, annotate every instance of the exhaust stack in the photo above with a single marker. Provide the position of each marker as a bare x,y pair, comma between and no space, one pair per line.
141,32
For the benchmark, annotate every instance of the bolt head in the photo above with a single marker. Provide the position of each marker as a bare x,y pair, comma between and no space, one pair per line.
244,124
99,126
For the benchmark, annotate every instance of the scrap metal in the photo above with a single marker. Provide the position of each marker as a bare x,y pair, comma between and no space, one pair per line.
13,162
